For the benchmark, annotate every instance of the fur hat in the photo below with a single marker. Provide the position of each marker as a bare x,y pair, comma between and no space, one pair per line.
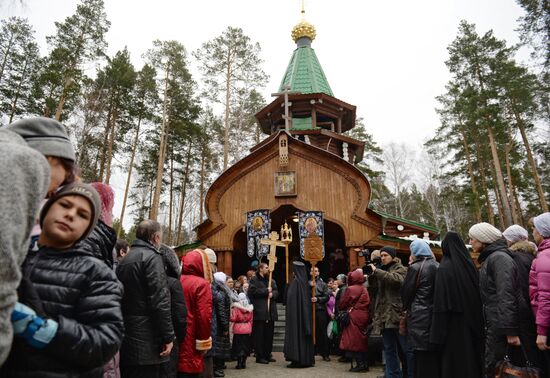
389,250
76,189
542,224
485,233
45,135
212,259
515,233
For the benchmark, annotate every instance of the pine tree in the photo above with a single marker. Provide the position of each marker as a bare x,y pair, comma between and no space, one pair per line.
79,39
471,61
180,107
20,64
116,81
144,99
229,62
372,156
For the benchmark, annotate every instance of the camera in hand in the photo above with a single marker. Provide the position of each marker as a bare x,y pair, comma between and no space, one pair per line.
367,269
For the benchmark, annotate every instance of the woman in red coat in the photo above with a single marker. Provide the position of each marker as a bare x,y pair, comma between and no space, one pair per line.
196,277
354,340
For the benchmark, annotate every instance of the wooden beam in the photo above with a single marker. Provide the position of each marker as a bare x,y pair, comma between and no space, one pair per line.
228,261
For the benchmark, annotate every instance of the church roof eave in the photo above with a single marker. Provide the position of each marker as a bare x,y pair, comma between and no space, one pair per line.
214,218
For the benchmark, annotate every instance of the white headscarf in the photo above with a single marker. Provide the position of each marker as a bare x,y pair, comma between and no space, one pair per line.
515,233
542,224
243,299
220,277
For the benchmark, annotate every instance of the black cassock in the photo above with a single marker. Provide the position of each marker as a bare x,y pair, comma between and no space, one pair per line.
457,321
298,333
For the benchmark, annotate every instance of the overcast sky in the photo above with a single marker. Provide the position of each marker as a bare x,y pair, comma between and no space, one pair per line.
385,57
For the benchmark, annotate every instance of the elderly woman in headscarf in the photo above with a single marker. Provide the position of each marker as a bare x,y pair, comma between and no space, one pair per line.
523,252
417,295
241,316
539,284
499,288
221,298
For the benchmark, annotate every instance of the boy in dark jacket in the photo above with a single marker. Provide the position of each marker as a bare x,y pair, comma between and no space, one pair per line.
69,321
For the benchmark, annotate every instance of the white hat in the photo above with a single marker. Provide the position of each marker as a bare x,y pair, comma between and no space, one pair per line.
542,224
515,233
220,277
211,256
485,233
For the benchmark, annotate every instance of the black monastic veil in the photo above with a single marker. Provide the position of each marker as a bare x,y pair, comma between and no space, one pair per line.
298,346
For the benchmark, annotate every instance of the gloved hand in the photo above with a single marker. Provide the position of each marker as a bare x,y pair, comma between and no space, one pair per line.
38,332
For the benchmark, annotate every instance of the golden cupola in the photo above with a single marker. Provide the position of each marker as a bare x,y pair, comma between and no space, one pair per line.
303,29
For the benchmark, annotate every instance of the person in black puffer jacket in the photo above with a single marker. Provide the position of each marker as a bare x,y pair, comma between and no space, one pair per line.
523,252
500,292
67,286
418,300
101,243
222,307
145,305
178,308
102,240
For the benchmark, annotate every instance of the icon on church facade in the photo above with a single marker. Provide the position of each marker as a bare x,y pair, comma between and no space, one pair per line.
285,184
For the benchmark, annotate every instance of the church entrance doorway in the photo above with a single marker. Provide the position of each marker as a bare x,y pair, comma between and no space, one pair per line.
332,264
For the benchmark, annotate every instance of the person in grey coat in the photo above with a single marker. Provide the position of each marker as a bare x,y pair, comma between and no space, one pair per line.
418,297
24,180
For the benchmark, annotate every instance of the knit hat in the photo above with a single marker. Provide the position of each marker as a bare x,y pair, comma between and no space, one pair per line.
211,255
76,189
107,196
420,248
45,135
542,224
389,250
515,233
243,299
220,277
485,233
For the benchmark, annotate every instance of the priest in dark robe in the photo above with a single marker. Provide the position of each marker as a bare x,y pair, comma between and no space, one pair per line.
298,348
457,323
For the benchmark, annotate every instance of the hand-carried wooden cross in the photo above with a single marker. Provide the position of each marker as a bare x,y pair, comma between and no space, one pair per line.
273,243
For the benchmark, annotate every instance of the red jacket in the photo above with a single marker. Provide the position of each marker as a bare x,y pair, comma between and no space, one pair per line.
241,316
195,279
539,287
355,300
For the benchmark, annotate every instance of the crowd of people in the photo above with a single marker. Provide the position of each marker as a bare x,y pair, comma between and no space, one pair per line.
77,301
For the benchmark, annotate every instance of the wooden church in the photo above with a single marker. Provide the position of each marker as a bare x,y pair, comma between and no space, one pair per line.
306,164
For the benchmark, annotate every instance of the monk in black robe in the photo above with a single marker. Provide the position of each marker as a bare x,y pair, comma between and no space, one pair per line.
298,348
457,322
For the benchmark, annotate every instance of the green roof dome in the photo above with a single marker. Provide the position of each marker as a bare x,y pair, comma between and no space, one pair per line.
304,73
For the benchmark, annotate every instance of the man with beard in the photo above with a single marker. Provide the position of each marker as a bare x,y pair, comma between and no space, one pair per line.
298,347
265,316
